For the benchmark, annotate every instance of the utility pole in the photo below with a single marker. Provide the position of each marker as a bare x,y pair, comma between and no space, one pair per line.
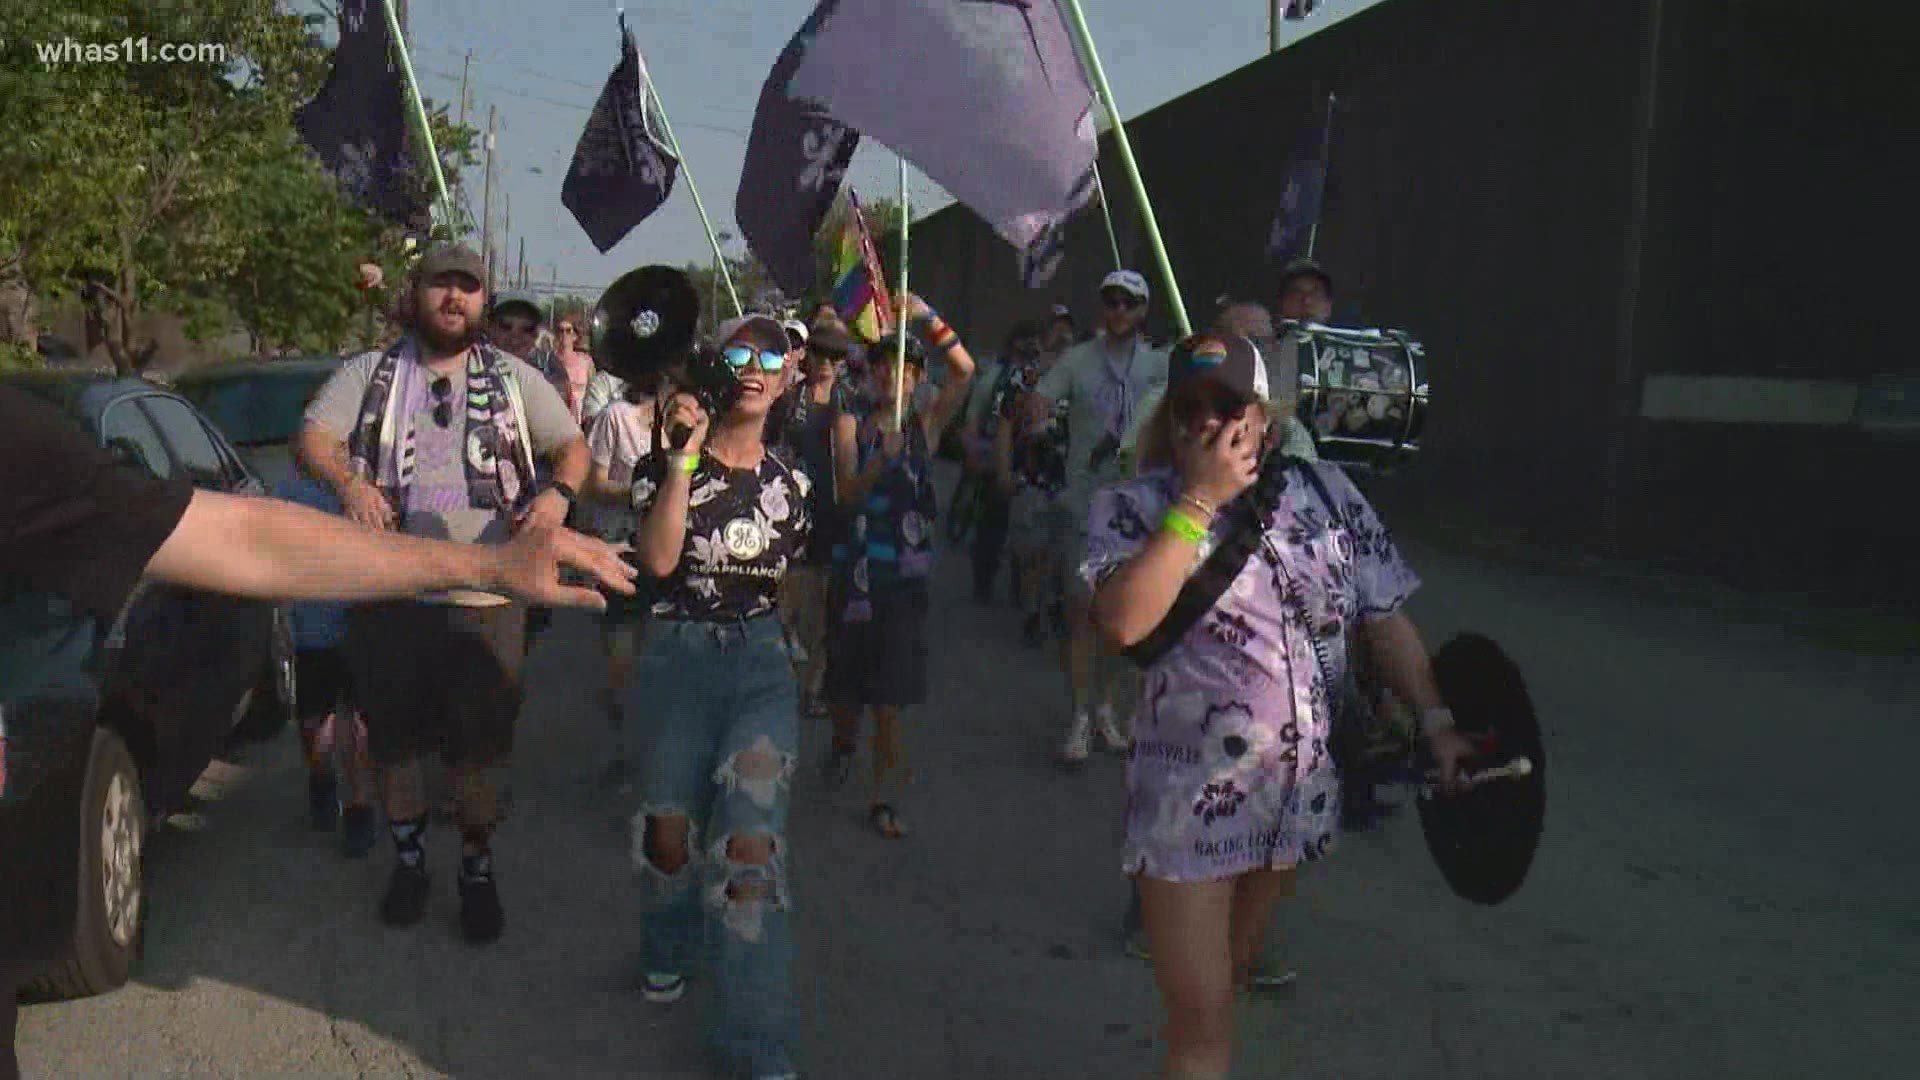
465,67
522,274
1276,10
486,195
506,234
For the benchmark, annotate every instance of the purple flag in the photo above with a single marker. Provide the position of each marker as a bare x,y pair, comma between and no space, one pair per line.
623,169
357,123
1301,199
796,157
986,97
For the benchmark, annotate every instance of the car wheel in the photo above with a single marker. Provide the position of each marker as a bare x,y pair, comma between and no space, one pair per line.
111,923
268,708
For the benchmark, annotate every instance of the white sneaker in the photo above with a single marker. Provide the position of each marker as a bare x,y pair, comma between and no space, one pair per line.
1110,733
1079,740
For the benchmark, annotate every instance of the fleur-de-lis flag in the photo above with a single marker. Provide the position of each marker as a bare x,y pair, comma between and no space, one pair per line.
985,97
623,167
357,123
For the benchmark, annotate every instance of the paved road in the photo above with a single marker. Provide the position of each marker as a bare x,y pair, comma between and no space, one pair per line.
1724,892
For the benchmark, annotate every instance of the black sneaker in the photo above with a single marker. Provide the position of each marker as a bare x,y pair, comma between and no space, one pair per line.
406,899
837,768
481,918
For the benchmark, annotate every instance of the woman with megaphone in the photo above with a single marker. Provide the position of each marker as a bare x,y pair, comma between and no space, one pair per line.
722,517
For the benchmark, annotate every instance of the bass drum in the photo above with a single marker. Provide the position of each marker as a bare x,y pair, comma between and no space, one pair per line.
1363,393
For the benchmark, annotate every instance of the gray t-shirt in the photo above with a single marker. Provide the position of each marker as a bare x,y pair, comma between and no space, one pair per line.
1104,390
437,502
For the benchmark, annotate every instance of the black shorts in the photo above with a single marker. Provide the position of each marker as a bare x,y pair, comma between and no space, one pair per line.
322,683
438,678
883,660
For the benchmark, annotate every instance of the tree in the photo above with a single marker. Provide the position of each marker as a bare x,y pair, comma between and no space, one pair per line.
181,187
882,216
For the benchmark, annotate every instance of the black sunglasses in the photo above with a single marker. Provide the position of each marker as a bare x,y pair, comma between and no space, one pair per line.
442,388
1121,301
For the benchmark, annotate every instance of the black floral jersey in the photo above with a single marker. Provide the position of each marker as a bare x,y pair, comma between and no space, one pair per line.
1039,453
744,528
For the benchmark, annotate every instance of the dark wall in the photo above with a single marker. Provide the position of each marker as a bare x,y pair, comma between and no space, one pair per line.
1558,199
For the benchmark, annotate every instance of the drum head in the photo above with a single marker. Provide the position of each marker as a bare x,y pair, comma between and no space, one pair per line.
1484,840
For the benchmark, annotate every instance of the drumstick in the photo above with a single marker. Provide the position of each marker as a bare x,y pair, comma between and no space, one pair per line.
1517,769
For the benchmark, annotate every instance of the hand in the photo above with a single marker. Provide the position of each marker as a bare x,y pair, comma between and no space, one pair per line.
367,506
1220,459
528,568
1449,749
914,308
548,508
685,411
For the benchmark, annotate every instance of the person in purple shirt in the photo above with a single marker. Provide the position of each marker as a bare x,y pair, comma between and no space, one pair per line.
1230,784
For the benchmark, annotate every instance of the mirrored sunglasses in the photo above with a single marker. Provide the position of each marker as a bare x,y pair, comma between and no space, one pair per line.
738,357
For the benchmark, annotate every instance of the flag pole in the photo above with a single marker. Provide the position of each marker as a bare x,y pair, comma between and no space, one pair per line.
1106,214
900,358
420,112
1326,168
1085,37
666,128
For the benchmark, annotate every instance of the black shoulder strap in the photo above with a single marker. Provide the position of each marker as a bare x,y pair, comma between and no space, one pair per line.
1326,497
1214,576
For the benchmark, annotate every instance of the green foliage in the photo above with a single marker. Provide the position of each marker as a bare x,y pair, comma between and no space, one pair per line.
15,357
882,216
182,187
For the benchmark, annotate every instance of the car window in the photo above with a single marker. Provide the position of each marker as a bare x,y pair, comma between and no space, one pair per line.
257,410
192,448
124,423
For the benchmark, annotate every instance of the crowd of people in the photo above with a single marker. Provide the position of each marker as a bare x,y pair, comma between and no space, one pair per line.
785,541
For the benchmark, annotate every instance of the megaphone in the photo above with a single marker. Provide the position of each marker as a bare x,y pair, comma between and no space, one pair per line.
645,323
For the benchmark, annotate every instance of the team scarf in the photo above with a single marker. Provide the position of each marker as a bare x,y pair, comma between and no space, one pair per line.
497,455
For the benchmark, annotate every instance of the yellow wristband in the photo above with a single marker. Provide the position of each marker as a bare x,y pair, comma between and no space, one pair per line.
1183,526
686,463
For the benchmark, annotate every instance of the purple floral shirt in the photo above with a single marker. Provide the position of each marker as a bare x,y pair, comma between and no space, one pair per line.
1231,770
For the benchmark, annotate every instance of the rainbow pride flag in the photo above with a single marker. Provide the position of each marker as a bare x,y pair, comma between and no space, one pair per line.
859,284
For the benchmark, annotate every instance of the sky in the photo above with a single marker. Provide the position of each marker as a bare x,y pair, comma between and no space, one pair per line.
541,65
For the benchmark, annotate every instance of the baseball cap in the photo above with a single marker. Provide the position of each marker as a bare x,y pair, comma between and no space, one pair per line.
795,329
1232,362
507,298
830,338
1128,281
1304,268
760,331
451,259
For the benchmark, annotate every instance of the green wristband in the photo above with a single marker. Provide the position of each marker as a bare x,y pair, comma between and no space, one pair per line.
1182,526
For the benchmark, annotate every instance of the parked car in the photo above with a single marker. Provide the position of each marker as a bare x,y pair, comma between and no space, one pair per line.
104,729
259,405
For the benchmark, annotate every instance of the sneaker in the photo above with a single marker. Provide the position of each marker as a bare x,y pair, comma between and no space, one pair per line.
1137,944
1079,740
481,917
1117,742
1269,974
406,899
359,831
663,988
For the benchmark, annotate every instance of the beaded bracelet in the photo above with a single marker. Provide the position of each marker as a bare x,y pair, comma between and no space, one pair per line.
1200,504
1183,527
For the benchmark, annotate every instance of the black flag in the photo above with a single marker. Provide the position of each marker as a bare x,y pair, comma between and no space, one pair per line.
796,158
357,123
623,168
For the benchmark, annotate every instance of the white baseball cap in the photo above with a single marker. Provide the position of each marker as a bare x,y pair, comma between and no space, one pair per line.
1128,281
796,328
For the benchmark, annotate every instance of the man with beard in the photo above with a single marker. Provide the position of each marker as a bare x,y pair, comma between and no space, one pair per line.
1103,381
437,437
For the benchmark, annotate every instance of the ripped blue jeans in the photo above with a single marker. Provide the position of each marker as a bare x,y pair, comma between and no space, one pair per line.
720,709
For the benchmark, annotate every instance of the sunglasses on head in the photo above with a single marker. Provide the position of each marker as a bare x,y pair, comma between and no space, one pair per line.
738,357
442,388
1121,301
